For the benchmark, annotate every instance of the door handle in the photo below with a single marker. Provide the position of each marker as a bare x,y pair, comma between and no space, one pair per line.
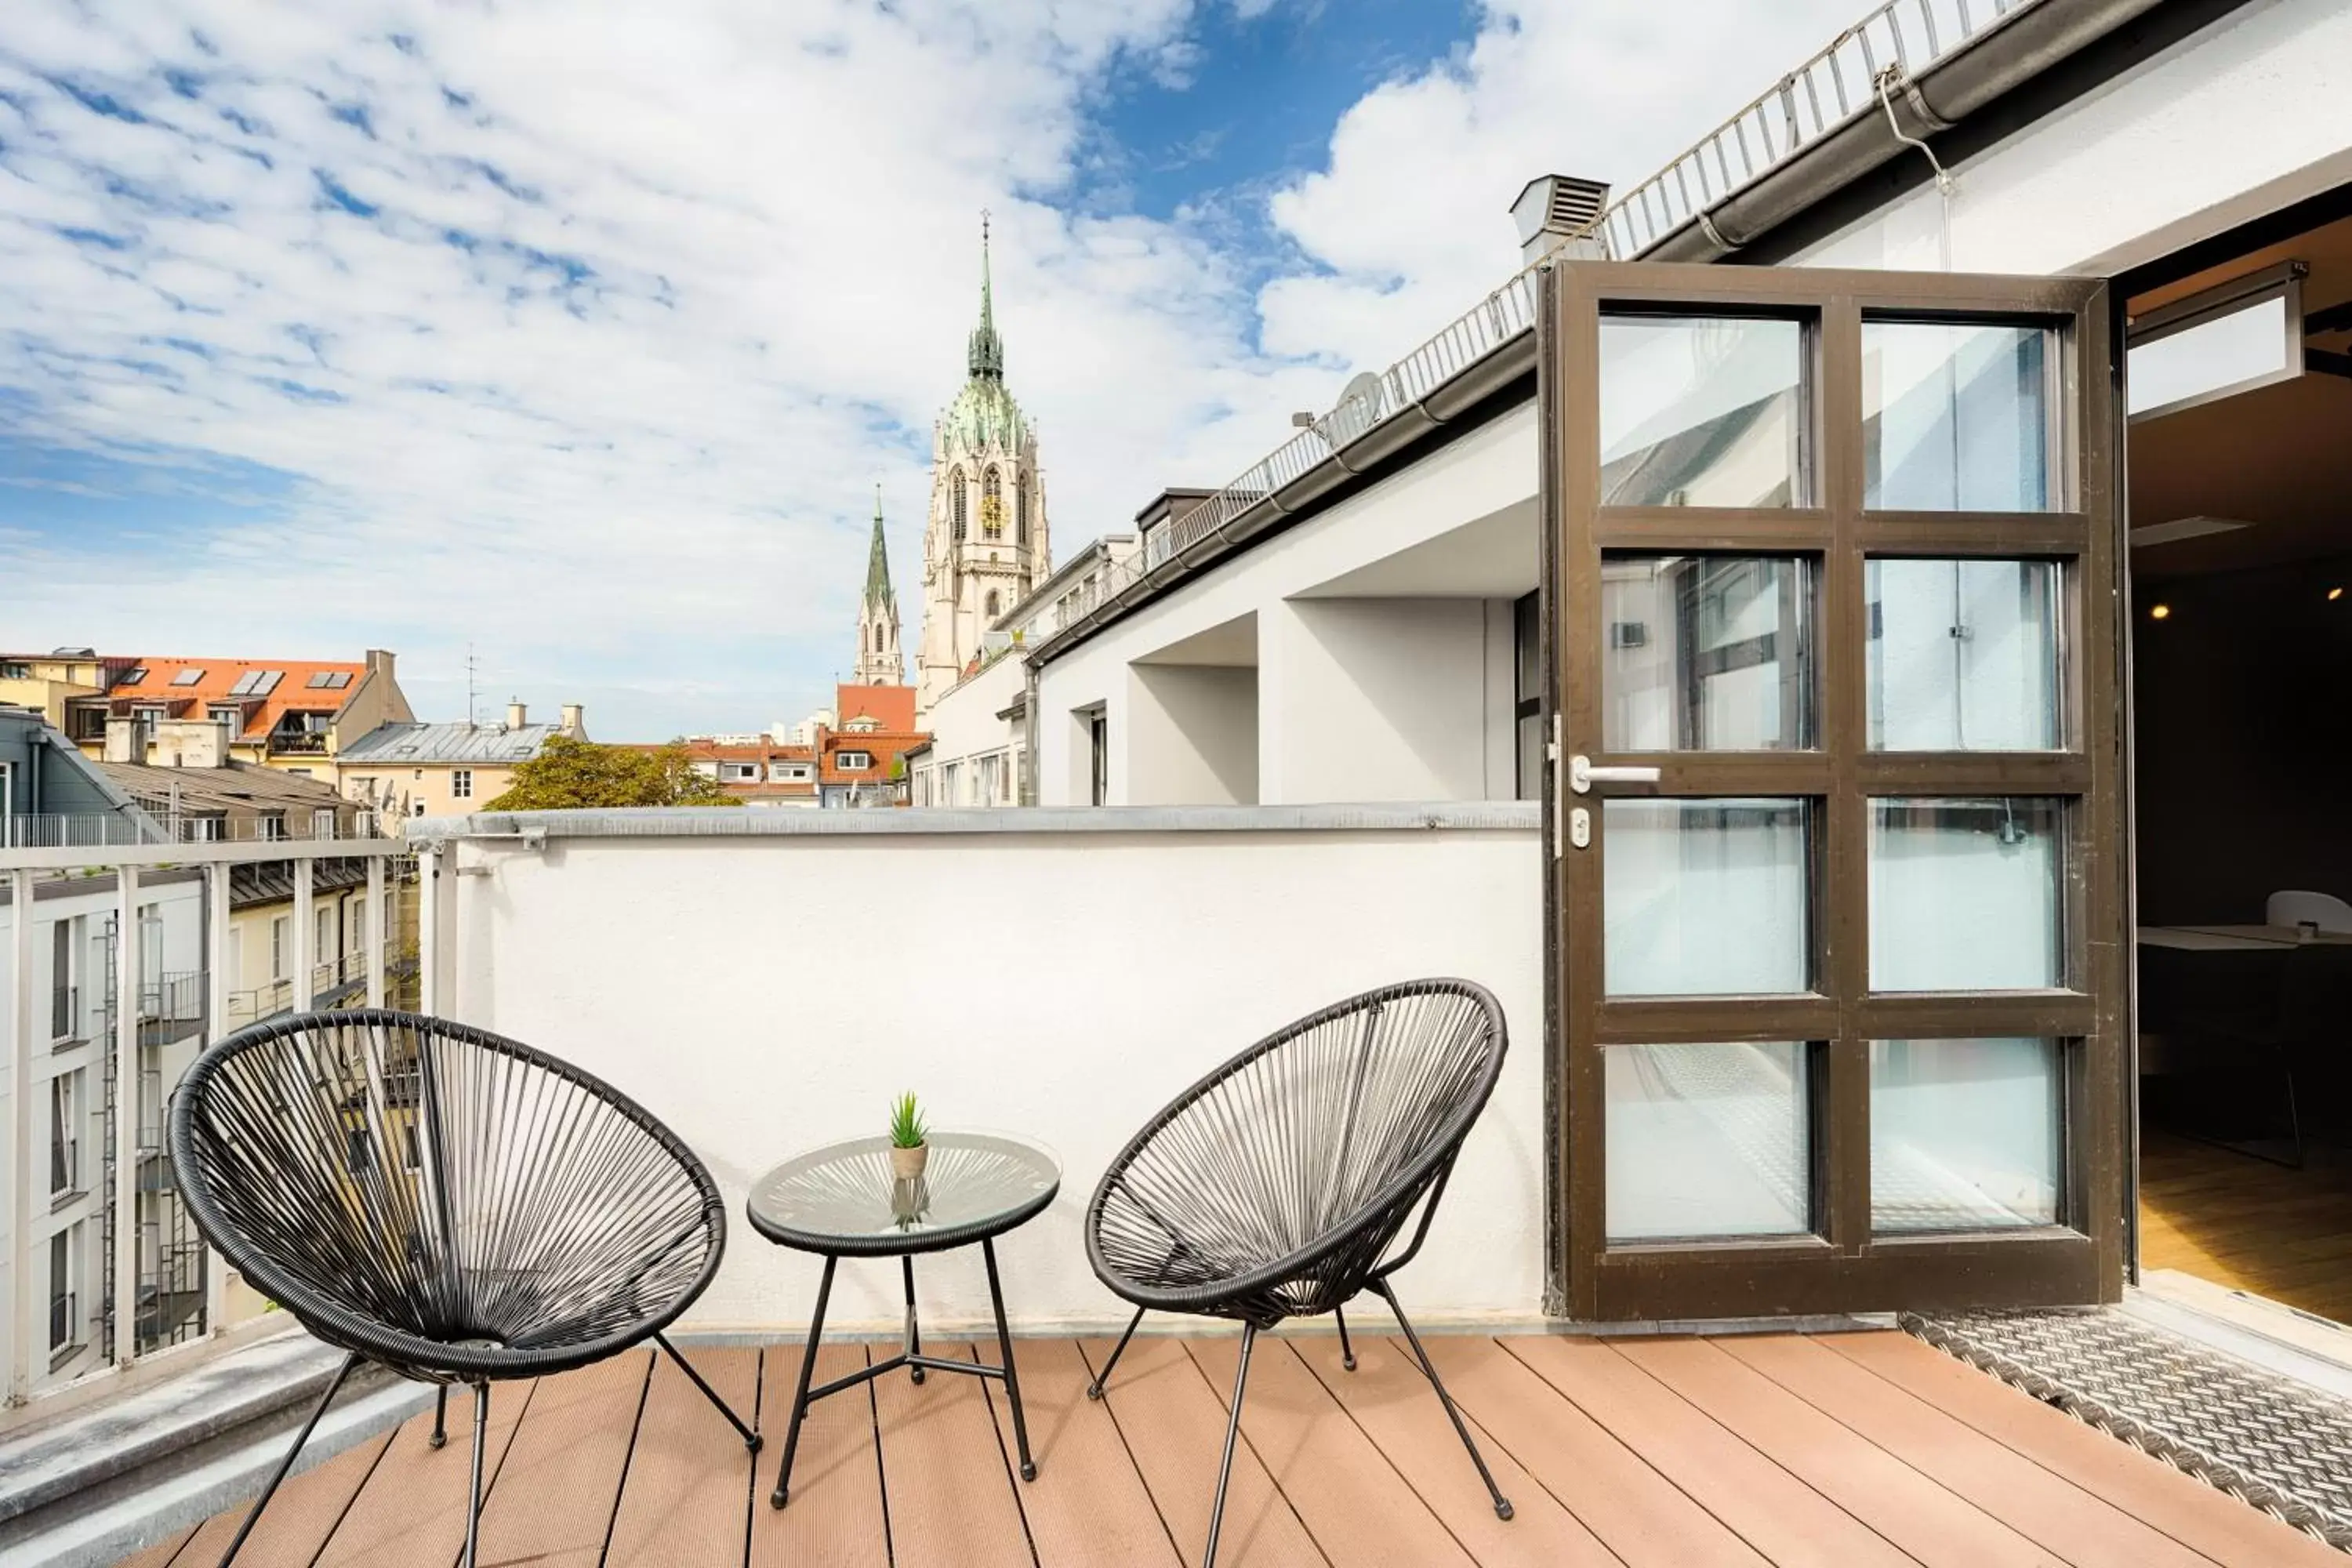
1583,775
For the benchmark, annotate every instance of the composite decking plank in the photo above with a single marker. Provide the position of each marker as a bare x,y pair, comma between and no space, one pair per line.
412,1510
298,1521
944,1477
685,1500
1174,1424
1636,1512
1786,1520
834,1518
562,1480
1343,1489
2198,1516
1934,1525
1088,1503
1387,1397
2042,1504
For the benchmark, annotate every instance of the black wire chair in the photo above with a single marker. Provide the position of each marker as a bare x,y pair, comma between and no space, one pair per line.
1275,1187
449,1205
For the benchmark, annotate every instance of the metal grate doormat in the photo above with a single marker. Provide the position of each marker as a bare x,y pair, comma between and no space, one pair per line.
2280,1444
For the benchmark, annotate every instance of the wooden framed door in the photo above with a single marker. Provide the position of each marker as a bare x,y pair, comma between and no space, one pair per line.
1840,854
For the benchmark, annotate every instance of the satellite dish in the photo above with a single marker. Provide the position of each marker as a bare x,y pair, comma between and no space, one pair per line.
1360,408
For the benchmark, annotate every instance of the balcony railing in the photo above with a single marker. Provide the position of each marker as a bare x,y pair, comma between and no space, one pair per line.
157,822
297,742
149,1291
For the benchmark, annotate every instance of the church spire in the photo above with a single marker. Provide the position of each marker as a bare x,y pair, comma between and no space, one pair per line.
985,353
877,560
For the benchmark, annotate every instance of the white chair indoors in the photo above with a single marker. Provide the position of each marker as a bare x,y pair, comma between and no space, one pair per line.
2289,908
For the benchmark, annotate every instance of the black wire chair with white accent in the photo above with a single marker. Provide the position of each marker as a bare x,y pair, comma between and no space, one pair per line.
1275,1187
451,1206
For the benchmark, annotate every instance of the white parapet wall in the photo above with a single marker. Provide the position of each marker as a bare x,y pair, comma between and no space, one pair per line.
763,981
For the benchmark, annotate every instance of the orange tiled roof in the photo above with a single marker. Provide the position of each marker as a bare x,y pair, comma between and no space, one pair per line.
190,688
881,746
892,708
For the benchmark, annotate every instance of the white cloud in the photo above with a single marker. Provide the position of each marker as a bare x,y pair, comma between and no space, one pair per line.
650,297
1409,219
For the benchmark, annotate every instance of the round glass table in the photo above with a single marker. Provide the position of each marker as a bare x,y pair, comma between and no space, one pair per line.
842,1201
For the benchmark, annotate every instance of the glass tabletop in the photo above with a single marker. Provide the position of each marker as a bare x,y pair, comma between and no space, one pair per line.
842,1198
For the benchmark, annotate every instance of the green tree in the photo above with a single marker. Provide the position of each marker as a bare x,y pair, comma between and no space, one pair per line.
570,775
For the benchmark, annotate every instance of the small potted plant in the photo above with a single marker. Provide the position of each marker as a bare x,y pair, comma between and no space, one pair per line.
910,1147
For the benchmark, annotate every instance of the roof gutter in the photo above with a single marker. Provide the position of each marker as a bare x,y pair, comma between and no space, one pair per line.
1510,361
2022,46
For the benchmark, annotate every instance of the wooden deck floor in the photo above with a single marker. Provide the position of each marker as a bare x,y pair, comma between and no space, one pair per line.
2249,1225
1843,1449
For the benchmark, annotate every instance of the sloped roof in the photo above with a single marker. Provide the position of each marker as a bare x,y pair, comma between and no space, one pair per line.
389,745
266,689
892,708
883,747
232,786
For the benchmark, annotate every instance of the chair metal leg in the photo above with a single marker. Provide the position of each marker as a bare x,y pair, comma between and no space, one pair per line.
287,1463
1232,1431
1011,1377
474,1492
1094,1389
1429,1370
750,1438
913,1330
1347,1351
440,1415
783,1491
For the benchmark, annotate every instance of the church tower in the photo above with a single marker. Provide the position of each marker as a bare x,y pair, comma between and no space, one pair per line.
985,544
878,661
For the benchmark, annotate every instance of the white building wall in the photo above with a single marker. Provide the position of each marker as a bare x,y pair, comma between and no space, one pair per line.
1485,471
1163,953
1192,735
964,728
1369,699
2238,120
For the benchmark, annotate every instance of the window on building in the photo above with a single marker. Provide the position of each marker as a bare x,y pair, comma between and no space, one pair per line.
1021,517
956,503
1527,707
359,927
1098,757
270,826
281,945
995,605
461,784
854,762
991,505
134,676
11,670
65,1134
323,822
64,1002
739,772
188,677
65,1294
950,776
323,934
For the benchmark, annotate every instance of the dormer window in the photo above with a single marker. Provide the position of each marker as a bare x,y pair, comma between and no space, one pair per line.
133,677
854,762
187,678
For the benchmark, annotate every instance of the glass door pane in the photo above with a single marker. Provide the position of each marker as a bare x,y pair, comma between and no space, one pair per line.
1956,417
1963,655
1965,894
1701,411
1708,1140
1964,1135
1707,653
1706,896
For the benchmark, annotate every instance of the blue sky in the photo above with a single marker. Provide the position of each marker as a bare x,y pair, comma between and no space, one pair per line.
581,335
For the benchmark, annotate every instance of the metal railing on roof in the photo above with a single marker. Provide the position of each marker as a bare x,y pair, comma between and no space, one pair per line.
1835,86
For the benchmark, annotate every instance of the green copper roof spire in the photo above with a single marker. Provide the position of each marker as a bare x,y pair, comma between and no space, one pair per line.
877,561
985,355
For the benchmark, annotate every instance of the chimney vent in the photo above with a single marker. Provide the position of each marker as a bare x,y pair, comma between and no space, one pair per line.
1555,206
517,715
573,725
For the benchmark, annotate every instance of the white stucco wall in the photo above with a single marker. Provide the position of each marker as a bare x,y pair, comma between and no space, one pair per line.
1192,735
1385,699
963,723
1485,471
738,1006
2241,118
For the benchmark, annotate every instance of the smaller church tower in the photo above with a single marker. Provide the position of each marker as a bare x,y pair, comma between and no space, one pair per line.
878,661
